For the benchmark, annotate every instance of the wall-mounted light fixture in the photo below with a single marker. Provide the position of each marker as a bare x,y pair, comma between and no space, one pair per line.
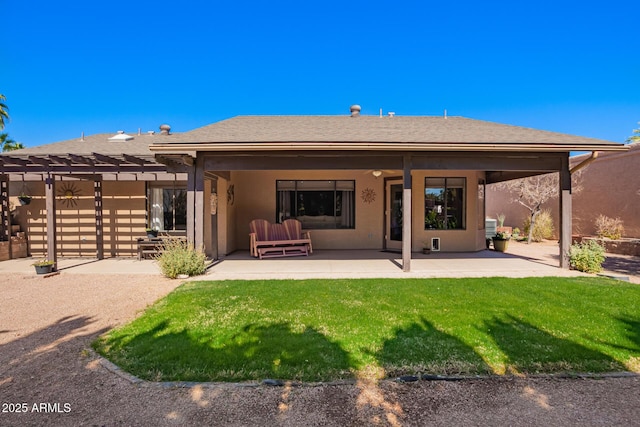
377,173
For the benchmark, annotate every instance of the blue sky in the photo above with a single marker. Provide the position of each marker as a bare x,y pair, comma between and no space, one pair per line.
71,67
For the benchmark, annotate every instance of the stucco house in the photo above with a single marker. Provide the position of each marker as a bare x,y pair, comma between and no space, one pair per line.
347,178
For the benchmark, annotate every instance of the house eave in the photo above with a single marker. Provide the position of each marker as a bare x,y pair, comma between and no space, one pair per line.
175,147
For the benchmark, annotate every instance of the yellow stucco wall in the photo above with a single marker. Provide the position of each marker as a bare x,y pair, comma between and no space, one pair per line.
472,238
255,197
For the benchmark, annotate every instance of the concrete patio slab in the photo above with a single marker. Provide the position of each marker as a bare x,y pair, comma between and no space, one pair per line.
371,263
521,260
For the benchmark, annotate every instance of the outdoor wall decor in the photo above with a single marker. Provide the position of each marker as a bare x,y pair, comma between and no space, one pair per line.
368,195
214,203
230,194
69,194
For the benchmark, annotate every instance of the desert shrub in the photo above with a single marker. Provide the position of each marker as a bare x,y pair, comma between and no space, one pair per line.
180,257
543,227
587,256
610,228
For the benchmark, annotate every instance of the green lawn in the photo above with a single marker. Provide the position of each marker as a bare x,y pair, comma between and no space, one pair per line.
311,330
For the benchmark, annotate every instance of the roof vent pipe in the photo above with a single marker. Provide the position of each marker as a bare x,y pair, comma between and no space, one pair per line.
355,110
165,129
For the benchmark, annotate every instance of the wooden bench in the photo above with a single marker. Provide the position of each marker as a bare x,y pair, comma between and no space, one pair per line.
280,248
278,240
151,247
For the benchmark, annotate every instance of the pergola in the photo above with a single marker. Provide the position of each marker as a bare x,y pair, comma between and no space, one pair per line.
109,164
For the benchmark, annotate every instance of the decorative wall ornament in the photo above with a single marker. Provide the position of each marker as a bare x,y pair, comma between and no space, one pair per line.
368,195
214,203
69,194
230,194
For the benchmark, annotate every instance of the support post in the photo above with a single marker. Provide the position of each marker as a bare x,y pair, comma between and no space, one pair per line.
406,215
97,197
5,218
565,213
195,203
50,205
199,203
191,211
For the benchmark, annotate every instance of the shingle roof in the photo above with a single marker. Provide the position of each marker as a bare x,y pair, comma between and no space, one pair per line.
99,143
371,129
331,132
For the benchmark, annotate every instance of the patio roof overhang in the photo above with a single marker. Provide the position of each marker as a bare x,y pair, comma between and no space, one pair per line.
479,147
499,166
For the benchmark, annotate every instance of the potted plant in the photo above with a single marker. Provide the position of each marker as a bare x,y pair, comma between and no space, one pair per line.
151,233
501,227
516,233
501,241
24,199
425,248
43,267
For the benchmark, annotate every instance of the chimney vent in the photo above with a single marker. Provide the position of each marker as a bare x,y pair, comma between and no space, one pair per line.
165,129
355,110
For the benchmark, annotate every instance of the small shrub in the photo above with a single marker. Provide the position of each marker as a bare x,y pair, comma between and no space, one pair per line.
181,258
587,256
610,228
543,228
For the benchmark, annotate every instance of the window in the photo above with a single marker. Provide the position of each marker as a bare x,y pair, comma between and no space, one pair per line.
444,204
482,207
317,204
167,207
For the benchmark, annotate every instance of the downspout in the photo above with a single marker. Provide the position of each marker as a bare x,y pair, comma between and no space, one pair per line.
585,162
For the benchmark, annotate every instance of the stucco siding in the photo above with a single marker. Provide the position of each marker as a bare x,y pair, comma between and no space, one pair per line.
255,197
469,239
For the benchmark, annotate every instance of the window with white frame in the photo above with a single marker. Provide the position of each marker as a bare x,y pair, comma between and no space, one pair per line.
317,204
444,204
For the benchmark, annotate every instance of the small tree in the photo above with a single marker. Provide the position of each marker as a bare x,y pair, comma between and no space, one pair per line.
532,192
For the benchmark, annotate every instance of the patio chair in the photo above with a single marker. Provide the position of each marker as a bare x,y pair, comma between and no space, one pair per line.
259,233
294,231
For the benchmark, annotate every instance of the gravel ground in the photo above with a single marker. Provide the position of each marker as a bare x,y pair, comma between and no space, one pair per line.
46,372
